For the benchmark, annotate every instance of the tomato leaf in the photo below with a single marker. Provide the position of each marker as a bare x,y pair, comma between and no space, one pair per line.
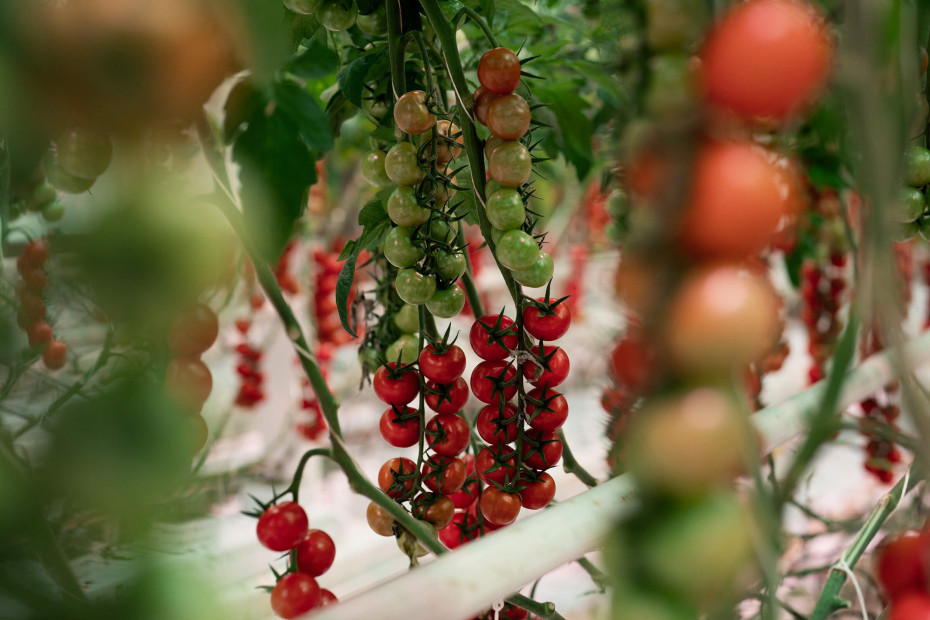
343,288
317,61
353,75
243,101
302,108
372,213
574,130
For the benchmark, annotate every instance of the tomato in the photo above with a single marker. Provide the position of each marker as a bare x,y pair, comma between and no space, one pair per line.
493,425
738,197
485,344
549,324
912,204
404,348
188,382
686,445
62,180
483,100
193,330
374,24
551,414
55,355
295,594
438,512
499,507
407,319
517,250
539,492
39,333
401,164
304,7
396,476
917,172
446,302
450,265
400,433
444,475
487,379
411,114
447,434
31,304
35,253
373,169
379,520
404,210
539,274
901,563
450,141
414,287
282,526
84,153
542,450
447,398
496,465
489,145
327,597
399,248
511,164
632,361
721,318
396,391
505,209
443,367
558,367
911,606
499,71
461,529
508,117
766,59
338,15
315,553
34,278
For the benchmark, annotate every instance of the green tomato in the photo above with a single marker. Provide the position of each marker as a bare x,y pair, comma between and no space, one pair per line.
304,7
407,347
401,164
369,357
537,275
61,179
496,234
53,211
404,210
414,287
505,209
491,186
374,24
511,164
912,204
84,153
617,203
446,303
407,319
41,197
439,230
517,251
377,109
905,231
399,248
373,169
338,15
450,265
918,166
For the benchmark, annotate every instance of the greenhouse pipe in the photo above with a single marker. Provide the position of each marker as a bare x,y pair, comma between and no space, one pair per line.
470,580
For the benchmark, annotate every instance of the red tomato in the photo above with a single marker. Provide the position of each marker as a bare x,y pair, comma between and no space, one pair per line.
39,333
499,507
499,71
551,414
315,553
543,450
282,526
558,367
632,361
411,114
397,391
485,345
911,606
396,476
539,492
35,252
442,367
400,433
494,465
444,475
31,304
462,529
483,100
437,511
447,434
738,198
766,59
448,398
547,325
491,425
193,330
295,594
508,117
327,598
487,377
55,355
188,382
900,563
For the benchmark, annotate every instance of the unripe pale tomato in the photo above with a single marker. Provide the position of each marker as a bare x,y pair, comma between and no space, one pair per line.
84,153
451,141
483,100
404,210
401,165
539,273
446,302
499,71
411,114
510,164
509,117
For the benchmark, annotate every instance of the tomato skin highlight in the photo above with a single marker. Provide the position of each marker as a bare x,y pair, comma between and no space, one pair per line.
295,594
282,526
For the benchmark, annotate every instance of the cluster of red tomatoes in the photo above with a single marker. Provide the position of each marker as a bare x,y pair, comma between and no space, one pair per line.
187,379
902,567
326,267
284,527
32,310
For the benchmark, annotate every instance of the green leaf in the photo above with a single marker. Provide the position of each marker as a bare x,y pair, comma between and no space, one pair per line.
343,287
302,108
573,129
338,111
372,236
317,61
372,213
244,100
353,76
266,23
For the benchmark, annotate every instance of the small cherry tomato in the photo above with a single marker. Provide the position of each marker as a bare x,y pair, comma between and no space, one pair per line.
397,391
295,594
483,100
551,414
447,398
500,507
443,367
379,520
444,475
55,355
499,71
193,330
484,343
543,450
447,434
510,164
188,382
315,553
486,379
549,324
400,433
508,117
491,425
558,362
396,476
539,492
493,465
901,563
411,114
282,526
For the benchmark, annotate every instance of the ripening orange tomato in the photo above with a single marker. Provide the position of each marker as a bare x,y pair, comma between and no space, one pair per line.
766,59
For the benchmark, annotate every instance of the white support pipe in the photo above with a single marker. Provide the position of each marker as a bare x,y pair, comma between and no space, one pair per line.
459,585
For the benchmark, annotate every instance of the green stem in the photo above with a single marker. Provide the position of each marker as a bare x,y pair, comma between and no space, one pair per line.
395,47
471,291
294,487
598,576
4,194
481,23
572,466
829,600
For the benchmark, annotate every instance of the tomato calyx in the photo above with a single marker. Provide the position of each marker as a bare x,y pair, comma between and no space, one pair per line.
395,370
441,345
545,305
